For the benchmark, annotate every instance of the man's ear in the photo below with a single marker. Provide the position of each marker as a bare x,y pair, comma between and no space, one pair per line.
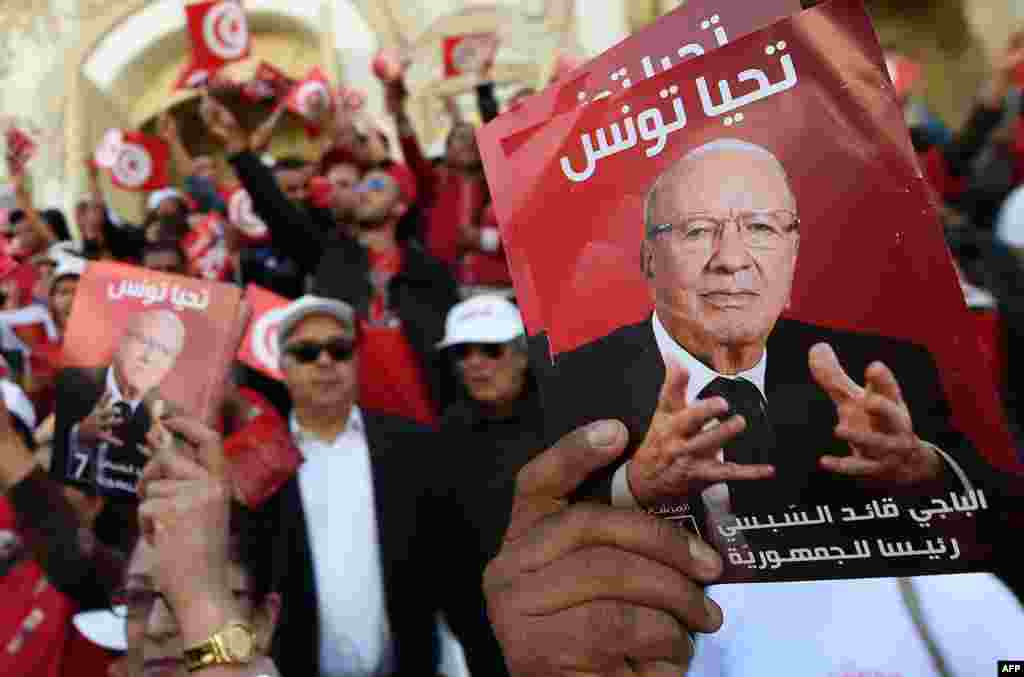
647,259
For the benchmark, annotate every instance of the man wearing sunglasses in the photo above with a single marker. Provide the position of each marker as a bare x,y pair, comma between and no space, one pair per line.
360,531
755,413
497,423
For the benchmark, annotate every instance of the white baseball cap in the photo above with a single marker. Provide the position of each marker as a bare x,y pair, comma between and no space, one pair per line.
103,627
67,264
309,305
1009,226
486,318
157,197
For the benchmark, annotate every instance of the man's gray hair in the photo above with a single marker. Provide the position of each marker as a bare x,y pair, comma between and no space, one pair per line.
715,146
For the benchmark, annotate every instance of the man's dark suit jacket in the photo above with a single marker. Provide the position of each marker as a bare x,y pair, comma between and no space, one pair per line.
416,548
78,392
619,376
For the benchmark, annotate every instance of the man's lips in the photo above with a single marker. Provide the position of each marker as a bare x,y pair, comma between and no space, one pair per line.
155,667
729,298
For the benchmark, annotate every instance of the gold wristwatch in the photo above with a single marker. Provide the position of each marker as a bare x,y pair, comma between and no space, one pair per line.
234,643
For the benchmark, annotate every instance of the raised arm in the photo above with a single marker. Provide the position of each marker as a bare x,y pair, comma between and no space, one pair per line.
24,200
292,231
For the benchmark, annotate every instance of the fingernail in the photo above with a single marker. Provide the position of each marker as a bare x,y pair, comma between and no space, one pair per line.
703,554
603,434
714,611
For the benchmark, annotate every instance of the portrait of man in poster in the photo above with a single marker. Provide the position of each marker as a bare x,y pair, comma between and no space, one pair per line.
104,413
733,408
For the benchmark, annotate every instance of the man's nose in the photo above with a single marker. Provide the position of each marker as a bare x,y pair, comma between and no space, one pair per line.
730,253
160,623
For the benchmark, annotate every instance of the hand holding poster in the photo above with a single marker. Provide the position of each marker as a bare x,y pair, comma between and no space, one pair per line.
788,403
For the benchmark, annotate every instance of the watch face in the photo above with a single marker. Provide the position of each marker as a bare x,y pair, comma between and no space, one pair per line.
238,642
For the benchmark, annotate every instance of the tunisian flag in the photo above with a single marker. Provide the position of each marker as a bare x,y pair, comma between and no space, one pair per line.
142,162
244,217
219,33
470,53
311,99
259,347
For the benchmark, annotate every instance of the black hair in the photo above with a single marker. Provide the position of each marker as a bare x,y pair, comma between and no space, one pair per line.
164,245
253,532
172,227
290,162
55,219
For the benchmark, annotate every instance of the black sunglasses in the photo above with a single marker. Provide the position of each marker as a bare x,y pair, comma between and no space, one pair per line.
492,350
304,352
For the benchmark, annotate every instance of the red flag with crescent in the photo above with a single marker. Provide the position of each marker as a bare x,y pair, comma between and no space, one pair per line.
142,162
206,249
311,99
259,347
243,216
20,148
219,33
469,53
267,84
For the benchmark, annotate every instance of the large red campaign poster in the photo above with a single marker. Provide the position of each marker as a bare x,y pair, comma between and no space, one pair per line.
727,216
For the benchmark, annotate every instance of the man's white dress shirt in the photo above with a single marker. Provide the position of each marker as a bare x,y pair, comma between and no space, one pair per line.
716,497
336,484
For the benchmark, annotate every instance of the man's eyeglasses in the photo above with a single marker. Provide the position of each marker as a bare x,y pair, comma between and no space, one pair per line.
490,350
137,602
765,230
304,352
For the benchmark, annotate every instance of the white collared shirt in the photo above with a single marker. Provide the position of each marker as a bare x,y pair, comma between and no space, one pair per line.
336,484
716,497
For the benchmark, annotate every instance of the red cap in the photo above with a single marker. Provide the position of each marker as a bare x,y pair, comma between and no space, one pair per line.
406,181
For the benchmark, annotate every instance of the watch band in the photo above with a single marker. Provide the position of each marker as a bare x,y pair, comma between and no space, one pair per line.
219,649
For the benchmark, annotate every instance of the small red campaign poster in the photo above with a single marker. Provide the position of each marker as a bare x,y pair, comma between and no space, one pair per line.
141,346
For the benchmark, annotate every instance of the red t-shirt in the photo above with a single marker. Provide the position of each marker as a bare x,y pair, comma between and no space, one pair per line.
390,378
45,363
37,638
458,201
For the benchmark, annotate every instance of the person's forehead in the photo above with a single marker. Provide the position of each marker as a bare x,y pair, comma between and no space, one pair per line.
723,180
157,326
318,325
289,174
343,170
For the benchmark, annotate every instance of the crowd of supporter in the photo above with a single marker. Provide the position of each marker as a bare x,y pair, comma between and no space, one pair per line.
407,389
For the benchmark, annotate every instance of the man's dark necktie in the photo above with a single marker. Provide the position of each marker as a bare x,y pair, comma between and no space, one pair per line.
124,412
755,445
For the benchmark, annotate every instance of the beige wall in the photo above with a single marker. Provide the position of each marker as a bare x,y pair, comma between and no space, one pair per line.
43,41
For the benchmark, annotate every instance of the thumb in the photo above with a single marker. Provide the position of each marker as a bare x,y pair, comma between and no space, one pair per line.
207,442
544,485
